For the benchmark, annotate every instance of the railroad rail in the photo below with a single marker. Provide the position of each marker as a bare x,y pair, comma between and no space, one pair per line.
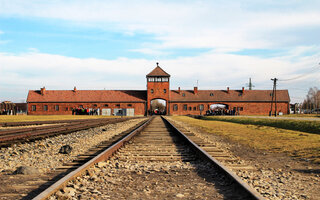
157,140
11,136
29,123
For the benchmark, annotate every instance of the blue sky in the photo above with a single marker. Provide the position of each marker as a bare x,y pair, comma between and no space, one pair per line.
113,45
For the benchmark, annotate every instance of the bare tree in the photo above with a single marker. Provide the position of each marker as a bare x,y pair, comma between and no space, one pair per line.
156,104
312,100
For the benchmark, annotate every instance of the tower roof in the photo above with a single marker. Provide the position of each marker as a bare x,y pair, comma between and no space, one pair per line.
158,71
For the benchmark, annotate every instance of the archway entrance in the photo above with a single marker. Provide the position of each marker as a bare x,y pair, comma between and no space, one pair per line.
158,107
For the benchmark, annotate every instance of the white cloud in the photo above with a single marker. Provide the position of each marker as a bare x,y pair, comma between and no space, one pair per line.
214,71
191,24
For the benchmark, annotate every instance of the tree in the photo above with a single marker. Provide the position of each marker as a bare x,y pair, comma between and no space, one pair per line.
157,104
312,100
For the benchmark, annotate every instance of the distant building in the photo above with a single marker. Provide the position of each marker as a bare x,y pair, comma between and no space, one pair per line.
138,102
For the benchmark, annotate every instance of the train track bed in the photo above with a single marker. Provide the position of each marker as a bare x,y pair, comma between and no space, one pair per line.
156,164
12,136
44,156
273,176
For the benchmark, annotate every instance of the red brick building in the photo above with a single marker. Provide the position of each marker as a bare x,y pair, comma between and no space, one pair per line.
138,102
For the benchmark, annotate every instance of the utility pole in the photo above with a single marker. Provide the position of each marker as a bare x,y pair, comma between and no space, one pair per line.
250,85
274,96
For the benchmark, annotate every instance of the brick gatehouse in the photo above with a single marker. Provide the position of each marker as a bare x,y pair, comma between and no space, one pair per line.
138,102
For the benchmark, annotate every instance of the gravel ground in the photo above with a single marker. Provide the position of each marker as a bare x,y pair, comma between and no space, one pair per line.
276,176
44,154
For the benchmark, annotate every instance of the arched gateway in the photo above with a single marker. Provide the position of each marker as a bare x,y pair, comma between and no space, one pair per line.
157,87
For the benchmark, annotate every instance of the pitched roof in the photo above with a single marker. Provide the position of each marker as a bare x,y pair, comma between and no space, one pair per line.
233,95
88,96
158,71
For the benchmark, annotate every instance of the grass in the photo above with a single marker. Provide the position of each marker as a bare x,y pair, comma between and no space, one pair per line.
23,118
303,115
296,125
293,143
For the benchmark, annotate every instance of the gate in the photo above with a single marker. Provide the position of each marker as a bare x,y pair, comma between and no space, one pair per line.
130,112
106,111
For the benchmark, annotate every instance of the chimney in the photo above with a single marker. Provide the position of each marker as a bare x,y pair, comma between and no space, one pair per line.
242,90
179,91
227,89
74,89
195,90
43,90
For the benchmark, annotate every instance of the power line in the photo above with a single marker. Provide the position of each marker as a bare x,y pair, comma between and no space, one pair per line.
302,75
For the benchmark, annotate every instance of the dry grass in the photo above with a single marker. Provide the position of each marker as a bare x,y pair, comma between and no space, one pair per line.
23,118
303,115
294,143
295,125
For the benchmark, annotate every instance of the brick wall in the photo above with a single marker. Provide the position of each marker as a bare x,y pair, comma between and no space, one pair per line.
245,108
66,108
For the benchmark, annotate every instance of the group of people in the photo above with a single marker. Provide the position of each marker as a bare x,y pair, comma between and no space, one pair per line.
7,112
221,112
85,111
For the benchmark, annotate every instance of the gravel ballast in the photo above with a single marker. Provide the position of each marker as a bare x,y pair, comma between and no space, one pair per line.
44,154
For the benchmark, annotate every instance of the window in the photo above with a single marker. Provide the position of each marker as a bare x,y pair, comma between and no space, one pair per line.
56,108
164,90
241,108
175,107
240,94
211,94
151,91
165,79
45,107
201,107
151,79
129,105
118,105
190,108
183,94
67,108
106,105
185,107
81,106
94,105
33,108
159,79
195,108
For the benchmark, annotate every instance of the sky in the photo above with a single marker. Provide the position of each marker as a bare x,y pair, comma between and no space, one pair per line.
212,44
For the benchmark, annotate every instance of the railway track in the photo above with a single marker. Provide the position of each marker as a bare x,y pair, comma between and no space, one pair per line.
19,186
11,136
160,162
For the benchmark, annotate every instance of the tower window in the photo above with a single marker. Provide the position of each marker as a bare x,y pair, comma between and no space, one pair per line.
195,108
151,91
129,105
34,108
164,90
211,94
165,79
56,108
45,107
106,105
183,94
